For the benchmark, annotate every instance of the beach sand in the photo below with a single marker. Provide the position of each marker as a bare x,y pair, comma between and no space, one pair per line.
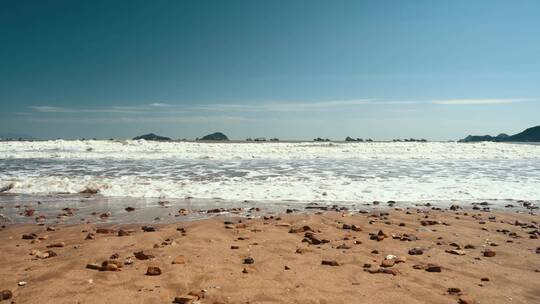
213,259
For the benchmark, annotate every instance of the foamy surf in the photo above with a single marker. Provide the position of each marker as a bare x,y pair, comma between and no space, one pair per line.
301,172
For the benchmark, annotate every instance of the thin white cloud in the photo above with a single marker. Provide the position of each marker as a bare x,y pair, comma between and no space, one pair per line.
142,120
49,109
157,108
297,106
478,101
160,105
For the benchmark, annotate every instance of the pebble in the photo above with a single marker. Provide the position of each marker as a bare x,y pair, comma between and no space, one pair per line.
186,299
153,271
489,253
456,252
433,268
416,251
249,260
6,295
142,256
57,245
388,263
105,230
454,290
329,263
30,236
122,232
180,259
148,229
465,301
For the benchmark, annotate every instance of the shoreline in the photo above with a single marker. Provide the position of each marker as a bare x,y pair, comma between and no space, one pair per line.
56,209
211,262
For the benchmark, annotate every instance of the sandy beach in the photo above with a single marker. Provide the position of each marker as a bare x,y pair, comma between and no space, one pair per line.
400,256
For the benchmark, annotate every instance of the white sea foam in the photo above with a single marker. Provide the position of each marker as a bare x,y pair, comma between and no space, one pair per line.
303,172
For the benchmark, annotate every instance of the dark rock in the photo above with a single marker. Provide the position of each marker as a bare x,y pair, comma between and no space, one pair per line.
489,253
142,256
416,251
148,229
29,236
6,294
249,260
215,136
329,263
152,136
153,271
433,268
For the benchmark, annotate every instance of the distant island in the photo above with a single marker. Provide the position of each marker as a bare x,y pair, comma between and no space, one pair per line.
152,136
215,136
529,135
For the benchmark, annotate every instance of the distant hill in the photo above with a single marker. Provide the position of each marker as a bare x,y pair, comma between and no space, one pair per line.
215,136
529,135
15,136
152,136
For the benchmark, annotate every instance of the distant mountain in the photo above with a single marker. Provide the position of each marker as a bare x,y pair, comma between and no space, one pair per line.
15,136
152,136
529,135
215,136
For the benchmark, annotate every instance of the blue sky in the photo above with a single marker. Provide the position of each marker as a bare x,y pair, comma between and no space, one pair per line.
291,69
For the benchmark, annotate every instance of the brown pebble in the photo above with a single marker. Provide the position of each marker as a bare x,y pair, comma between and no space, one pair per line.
6,295
465,301
329,263
433,268
179,259
249,260
59,245
489,253
153,271
186,299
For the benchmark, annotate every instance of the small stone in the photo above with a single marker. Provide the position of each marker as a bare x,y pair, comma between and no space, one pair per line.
93,266
453,290
105,231
456,252
388,263
249,260
57,245
489,253
329,263
6,295
153,271
416,251
244,270
142,256
179,259
30,236
148,229
50,228
90,236
484,279
300,229
235,247
186,299
465,301
129,209
433,268
343,246
122,232
22,283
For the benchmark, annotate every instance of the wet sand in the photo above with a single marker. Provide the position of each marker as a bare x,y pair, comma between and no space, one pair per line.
287,252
